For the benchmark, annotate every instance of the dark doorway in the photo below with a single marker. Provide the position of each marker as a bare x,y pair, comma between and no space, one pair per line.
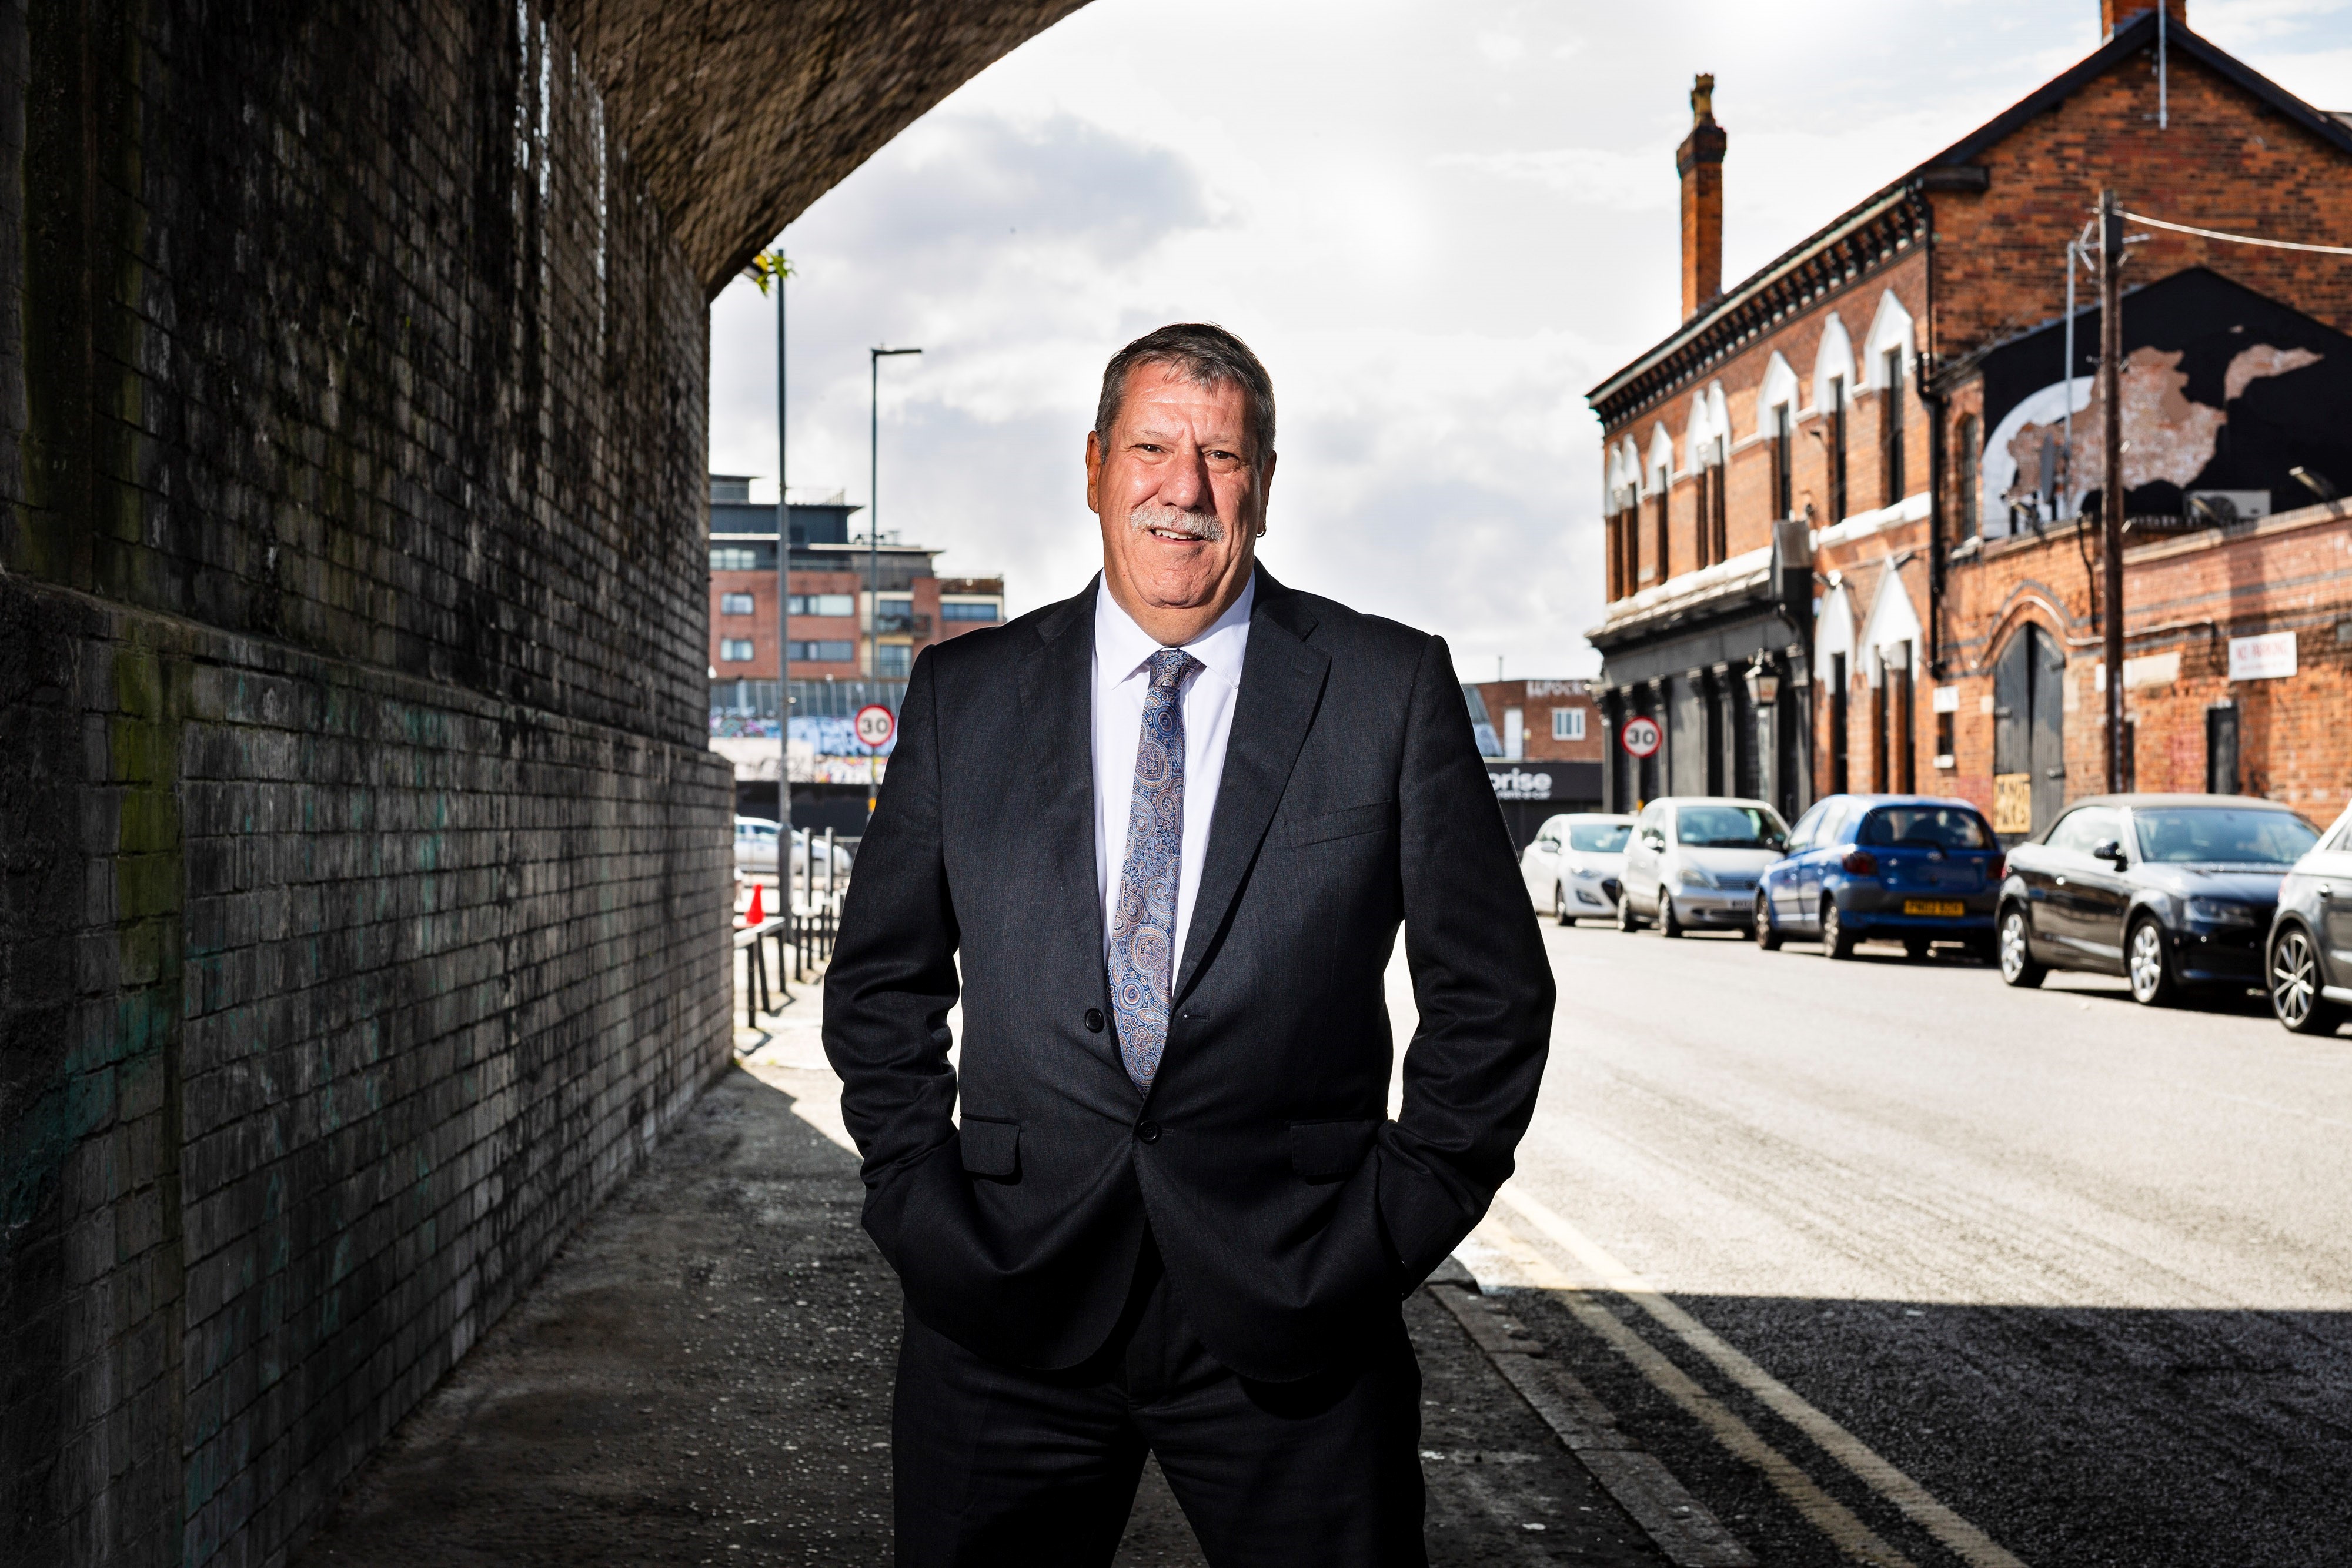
2221,749
2030,727
1838,772
1902,744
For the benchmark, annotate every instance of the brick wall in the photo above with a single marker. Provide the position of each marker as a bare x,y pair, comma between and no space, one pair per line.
1740,376
1536,701
361,913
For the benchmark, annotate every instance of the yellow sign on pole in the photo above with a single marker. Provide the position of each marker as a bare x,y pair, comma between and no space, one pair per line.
2013,803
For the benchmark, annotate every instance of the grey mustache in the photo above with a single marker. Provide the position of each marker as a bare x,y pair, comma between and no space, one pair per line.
1192,525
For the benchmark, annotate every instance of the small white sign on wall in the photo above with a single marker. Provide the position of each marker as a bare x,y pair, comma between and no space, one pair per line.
2266,658
1948,699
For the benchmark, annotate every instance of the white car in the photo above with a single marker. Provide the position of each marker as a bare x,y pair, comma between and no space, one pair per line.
1574,866
1694,861
755,851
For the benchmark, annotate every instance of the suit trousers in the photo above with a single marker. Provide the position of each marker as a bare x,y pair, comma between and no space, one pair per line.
995,1464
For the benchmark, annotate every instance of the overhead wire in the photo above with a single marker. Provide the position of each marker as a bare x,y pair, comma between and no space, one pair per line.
2238,239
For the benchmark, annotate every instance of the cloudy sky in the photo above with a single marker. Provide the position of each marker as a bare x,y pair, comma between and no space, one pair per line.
1439,225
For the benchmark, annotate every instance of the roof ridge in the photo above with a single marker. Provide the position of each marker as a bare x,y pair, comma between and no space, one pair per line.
2125,42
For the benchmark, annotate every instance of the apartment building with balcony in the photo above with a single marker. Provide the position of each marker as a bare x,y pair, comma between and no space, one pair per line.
858,613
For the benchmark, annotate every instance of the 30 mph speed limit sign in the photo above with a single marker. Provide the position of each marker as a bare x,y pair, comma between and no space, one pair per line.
1640,736
875,726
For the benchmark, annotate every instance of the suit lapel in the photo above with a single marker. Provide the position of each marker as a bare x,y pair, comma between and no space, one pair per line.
1057,718
1282,683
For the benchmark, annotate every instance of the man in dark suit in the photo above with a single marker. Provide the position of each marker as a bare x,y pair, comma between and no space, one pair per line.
1170,829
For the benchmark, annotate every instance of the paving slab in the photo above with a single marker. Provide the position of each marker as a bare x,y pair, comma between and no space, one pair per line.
703,1376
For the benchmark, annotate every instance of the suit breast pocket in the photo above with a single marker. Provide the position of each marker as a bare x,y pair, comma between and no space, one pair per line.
1330,1151
1347,822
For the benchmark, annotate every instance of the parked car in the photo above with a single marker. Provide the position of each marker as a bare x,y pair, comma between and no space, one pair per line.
1912,869
1576,864
755,851
2308,963
1692,860
2169,891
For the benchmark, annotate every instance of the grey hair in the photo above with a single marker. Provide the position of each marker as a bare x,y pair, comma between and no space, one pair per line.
1206,355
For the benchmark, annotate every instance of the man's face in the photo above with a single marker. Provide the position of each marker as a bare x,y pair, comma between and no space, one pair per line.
1181,492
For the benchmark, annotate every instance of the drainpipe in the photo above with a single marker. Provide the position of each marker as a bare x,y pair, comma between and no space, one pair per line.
1938,403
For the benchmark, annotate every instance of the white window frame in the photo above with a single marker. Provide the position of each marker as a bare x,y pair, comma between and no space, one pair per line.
737,651
1568,724
735,604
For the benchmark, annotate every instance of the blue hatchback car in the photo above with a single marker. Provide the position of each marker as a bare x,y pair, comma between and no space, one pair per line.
1912,869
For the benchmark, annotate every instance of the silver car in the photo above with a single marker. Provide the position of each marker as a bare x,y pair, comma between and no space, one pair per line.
755,851
1694,861
1575,865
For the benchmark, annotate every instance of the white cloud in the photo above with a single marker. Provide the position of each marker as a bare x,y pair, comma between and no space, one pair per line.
1438,226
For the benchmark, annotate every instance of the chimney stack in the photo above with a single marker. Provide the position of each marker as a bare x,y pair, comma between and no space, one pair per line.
1699,161
2115,14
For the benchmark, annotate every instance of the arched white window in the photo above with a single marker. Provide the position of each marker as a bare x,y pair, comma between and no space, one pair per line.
1661,466
1835,361
1832,629
1890,329
1707,435
1892,630
1780,387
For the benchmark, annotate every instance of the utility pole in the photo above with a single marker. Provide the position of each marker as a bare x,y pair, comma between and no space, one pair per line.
2110,498
784,609
874,358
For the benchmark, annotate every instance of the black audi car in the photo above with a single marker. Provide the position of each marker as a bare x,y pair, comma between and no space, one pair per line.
2169,891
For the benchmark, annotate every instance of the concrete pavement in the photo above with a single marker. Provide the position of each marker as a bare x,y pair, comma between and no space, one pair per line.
703,1376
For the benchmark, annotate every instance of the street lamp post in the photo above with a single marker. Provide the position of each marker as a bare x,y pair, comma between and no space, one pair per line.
784,609
874,358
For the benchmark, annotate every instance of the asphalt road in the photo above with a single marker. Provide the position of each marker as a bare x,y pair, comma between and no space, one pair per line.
1890,1262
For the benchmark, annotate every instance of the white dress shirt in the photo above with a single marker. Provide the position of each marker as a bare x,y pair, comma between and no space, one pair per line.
1123,652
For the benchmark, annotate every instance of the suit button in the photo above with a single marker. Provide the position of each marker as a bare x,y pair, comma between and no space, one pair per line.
1149,1131
1094,1021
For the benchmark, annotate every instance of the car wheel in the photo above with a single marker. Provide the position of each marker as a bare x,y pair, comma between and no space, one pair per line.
1560,905
1626,920
2295,984
2152,984
1837,942
2018,965
1767,935
1668,925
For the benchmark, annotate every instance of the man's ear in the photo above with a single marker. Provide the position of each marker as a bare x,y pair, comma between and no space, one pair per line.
1093,472
1264,491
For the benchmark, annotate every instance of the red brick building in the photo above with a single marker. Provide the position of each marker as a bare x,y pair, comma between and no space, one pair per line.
858,618
1543,747
1845,500
857,613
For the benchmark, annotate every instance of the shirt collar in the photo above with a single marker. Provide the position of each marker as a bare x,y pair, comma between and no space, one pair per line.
1122,648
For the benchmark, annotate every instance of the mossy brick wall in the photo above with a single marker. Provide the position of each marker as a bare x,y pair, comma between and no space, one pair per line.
363,868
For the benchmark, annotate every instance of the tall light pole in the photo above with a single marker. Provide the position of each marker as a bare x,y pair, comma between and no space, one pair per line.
771,266
2111,500
874,358
783,270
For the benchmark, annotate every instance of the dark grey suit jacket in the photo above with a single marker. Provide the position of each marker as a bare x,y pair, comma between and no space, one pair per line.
1291,1213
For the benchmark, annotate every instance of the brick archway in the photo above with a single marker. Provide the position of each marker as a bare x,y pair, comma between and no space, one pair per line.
365,916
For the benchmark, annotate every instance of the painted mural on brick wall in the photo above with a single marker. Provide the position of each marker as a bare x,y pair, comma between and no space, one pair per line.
2225,393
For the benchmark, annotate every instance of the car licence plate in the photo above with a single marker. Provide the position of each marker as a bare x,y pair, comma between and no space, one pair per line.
1934,906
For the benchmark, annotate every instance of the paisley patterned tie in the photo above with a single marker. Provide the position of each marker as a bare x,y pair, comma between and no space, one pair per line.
1143,921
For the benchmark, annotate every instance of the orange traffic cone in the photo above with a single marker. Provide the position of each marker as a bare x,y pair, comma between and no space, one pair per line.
754,916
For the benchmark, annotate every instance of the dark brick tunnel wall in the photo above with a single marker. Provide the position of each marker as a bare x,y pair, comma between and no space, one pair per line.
363,865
